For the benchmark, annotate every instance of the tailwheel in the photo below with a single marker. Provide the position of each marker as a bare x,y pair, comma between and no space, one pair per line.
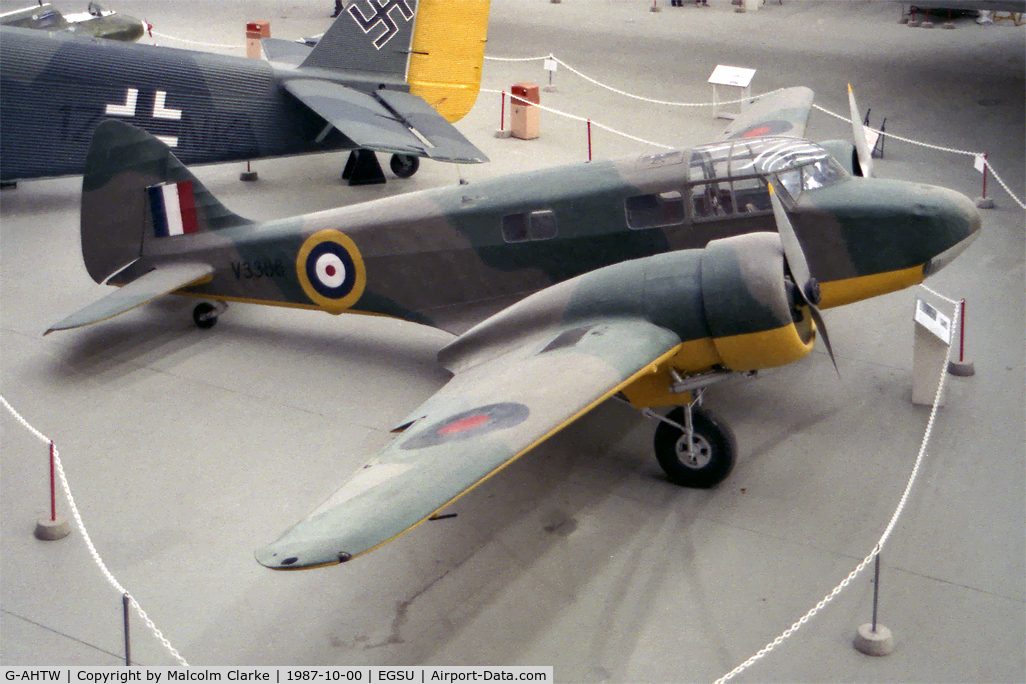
205,314
404,165
694,447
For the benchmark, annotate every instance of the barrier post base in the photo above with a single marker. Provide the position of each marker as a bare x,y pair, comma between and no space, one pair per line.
984,203
961,368
874,643
52,530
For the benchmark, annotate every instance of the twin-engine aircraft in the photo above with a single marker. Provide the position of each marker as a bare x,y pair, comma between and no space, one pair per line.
649,278
373,82
95,22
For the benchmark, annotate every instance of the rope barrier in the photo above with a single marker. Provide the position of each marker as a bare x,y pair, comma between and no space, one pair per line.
668,103
725,678
584,120
939,148
89,542
883,538
518,59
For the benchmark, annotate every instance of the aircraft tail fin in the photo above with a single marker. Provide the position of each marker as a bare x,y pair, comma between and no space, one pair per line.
371,36
135,190
435,46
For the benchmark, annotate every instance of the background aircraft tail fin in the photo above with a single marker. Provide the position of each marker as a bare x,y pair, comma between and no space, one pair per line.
447,54
370,36
133,190
436,46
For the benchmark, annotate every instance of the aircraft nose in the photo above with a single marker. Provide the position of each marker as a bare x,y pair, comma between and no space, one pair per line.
955,223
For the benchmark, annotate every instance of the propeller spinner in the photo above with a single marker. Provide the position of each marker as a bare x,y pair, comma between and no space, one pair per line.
808,288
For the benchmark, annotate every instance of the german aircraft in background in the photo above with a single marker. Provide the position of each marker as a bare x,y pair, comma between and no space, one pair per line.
650,278
95,22
372,83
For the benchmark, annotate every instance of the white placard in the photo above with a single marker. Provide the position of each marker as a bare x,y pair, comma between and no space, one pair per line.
732,76
550,65
979,163
871,137
934,321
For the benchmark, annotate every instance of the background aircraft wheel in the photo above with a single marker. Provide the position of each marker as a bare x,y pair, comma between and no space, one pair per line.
712,454
404,165
203,315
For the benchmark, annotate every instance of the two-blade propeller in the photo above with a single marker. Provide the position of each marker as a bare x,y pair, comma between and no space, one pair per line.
859,134
807,286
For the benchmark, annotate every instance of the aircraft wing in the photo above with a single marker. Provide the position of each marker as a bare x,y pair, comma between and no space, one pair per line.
143,289
389,121
503,400
784,112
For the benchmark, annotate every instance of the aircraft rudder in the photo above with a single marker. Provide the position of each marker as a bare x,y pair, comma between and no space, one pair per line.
134,189
447,54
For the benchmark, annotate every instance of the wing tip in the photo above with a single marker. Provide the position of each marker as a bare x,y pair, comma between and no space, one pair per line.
273,559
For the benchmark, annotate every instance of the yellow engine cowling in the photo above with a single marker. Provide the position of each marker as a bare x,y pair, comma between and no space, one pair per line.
748,309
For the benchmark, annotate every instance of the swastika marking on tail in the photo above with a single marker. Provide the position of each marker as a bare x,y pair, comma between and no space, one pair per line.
383,17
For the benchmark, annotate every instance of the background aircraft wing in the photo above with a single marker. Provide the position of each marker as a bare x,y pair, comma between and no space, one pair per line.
784,112
394,122
491,412
143,289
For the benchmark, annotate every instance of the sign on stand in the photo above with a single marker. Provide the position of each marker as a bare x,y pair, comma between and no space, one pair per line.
737,82
929,353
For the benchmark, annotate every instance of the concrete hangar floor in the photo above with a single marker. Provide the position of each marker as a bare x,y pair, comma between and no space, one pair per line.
187,449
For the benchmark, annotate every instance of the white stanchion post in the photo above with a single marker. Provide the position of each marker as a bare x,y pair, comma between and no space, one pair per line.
980,164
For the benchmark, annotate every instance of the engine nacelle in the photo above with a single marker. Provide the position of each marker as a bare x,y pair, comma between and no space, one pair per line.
749,304
845,154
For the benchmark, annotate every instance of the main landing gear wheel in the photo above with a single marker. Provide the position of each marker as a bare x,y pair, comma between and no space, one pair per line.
701,462
404,165
205,315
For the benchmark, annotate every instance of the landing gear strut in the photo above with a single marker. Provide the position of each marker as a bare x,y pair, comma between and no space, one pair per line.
694,447
205,314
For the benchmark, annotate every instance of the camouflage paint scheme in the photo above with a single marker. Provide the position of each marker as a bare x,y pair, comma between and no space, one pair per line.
95,23
588,305
350,91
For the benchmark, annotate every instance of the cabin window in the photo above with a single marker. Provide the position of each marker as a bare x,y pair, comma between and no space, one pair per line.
822,173
751,195
535,225
792,182
654,210
711,200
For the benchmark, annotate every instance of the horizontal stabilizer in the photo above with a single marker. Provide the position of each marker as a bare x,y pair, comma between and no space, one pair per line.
146,288
448,143
371,125
285,51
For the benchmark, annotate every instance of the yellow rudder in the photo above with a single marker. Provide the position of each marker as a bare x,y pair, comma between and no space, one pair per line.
447,54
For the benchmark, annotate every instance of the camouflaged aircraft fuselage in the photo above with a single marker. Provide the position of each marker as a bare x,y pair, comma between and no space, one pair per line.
57,88
431,256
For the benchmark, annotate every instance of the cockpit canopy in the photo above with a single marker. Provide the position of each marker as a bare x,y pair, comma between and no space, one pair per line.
729,178
798,164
